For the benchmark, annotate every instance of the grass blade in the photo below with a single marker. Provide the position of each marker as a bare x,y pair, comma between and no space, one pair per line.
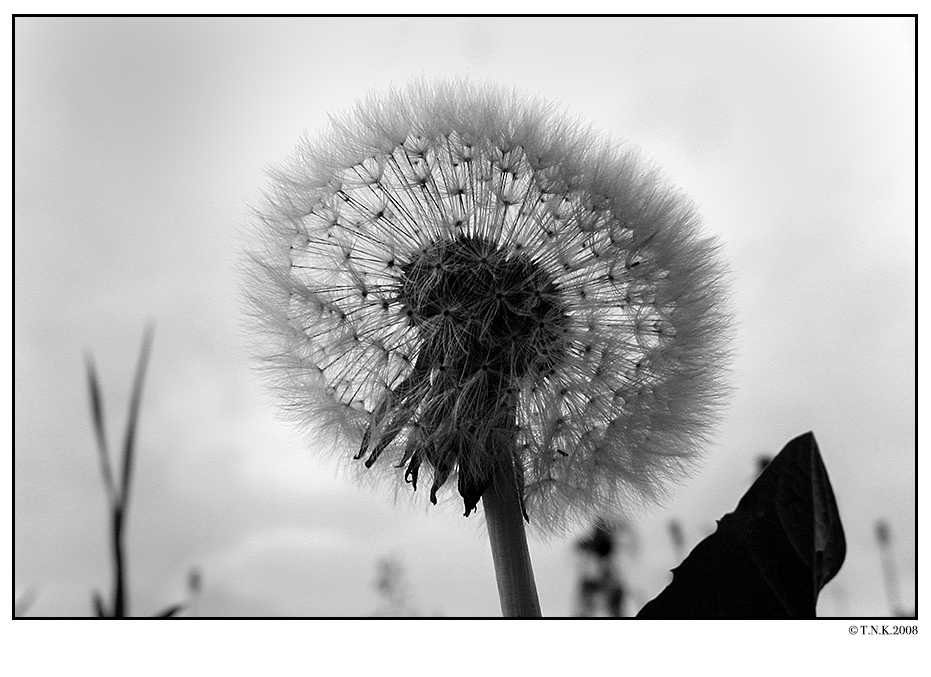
99,606
171,611
22,602
99,430
131,424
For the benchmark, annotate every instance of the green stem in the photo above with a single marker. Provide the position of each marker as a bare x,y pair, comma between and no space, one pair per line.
513,570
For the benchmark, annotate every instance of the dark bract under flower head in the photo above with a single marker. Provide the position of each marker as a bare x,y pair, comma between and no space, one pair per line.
488,318
458,280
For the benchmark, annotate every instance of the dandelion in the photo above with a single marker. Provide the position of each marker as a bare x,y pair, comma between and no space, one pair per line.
469,290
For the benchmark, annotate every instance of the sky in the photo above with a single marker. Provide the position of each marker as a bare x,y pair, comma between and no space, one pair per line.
141,145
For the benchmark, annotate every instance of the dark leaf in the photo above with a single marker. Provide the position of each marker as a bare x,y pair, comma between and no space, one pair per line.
171,611
772,555
100,608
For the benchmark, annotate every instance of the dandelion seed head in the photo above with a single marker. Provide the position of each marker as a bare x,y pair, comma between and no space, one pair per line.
457,279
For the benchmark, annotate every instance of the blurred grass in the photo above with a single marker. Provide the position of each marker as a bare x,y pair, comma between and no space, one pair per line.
118,495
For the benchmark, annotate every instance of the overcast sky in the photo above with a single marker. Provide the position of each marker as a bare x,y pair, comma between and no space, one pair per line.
141,144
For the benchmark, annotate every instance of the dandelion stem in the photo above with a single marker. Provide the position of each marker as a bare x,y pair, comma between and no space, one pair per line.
513,569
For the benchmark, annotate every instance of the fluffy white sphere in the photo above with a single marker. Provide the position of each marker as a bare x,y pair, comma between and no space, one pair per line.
458,279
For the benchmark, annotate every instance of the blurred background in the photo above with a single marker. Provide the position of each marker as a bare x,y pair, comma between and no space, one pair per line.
140,145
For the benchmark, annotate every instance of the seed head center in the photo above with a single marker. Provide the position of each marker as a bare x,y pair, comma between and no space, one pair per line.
481,307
